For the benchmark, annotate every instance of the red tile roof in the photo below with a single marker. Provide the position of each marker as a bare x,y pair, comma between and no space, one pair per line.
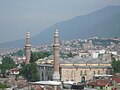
117,80
101,82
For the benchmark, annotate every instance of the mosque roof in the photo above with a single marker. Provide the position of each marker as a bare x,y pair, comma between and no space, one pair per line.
85,67
84,60
76,62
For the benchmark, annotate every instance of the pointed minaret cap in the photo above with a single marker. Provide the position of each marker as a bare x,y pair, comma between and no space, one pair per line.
56,32
28,35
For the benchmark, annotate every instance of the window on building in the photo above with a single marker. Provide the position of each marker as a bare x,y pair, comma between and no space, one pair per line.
94,72
85,72
72,74
83,79
98,72
107,72
103,69
81,72
42,76
42,67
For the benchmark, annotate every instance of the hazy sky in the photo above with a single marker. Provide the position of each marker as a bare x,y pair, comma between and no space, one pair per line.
19,16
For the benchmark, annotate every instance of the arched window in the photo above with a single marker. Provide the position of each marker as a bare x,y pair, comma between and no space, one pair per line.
94,72
42,76
81,72
83,79
85,72
107,72
98,72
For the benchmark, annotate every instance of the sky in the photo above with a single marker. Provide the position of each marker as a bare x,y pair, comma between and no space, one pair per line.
17,17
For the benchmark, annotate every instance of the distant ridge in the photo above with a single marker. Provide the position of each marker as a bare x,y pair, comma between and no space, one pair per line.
13,44
101,23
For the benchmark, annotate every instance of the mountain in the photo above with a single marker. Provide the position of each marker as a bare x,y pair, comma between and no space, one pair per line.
101,23
85,26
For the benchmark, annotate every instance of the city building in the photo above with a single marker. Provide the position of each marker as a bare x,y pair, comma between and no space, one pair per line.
78,69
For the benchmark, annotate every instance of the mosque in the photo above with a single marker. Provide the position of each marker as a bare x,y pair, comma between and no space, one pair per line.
76,69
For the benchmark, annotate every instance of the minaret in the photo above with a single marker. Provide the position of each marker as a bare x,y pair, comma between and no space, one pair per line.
56,75
28,48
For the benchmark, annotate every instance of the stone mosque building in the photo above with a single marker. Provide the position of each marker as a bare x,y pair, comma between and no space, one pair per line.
76,69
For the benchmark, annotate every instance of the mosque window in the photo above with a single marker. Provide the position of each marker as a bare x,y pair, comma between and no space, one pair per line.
81,72
42,67
98,72
42,76
85,72
72,74
107,72
94,72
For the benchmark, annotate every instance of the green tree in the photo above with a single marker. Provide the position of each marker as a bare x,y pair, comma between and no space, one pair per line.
3,86
116,66
19,53
7,64
38,55
30,72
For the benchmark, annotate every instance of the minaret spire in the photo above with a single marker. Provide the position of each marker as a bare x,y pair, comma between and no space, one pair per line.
28,48
56,75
